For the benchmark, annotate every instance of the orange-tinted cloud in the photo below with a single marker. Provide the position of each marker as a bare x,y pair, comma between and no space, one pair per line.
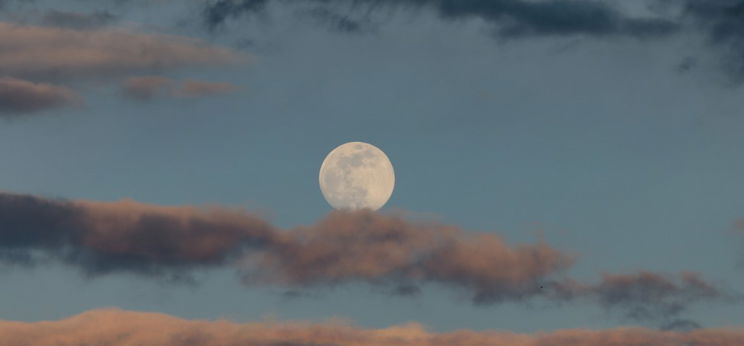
117,327
52,53
21,96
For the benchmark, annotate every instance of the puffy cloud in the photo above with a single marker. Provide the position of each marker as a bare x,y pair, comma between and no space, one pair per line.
19,96
113,326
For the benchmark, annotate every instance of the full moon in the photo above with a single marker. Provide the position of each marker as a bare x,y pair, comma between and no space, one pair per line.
357,175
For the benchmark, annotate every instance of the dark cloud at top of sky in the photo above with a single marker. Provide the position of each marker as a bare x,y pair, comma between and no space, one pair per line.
344,247
513,18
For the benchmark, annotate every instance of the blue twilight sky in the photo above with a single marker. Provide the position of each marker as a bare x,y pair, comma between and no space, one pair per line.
625,151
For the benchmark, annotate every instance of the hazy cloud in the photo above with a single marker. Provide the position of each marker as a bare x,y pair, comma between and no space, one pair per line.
19,96
113,326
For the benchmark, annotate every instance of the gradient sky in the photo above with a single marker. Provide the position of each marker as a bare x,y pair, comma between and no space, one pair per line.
622,149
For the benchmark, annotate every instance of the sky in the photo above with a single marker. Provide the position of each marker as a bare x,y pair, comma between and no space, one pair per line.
566,171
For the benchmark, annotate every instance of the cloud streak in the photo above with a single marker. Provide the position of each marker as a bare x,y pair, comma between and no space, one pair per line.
344,247
113,326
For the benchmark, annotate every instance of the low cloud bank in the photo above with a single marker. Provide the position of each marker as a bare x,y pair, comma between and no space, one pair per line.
112,326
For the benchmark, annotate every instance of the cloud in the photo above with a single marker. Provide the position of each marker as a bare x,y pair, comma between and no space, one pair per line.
114,326
38,52
148,87
344,247
512,18
76,20
19,96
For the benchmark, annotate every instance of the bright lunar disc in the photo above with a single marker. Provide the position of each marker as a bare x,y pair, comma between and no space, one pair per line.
357,175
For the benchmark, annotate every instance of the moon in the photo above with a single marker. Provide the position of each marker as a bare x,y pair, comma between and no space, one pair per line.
357,175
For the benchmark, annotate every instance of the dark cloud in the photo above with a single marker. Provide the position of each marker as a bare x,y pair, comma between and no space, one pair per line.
512,18
75,20
342,248
19,96
119,327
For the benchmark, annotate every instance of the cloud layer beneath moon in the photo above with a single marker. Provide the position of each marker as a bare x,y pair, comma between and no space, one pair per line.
344,247
112,326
